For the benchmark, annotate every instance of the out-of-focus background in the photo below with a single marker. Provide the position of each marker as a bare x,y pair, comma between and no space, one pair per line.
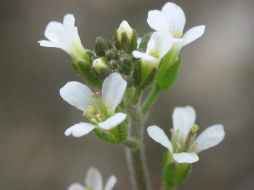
216,77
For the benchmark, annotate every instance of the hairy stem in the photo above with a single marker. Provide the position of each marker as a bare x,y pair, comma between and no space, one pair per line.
151,99
136,157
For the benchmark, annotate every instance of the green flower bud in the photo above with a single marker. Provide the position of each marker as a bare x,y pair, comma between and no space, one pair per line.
101,45
125,63
101,68
125,37
111,54
83,68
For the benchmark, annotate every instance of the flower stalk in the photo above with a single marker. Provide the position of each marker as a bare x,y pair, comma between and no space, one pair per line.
136,157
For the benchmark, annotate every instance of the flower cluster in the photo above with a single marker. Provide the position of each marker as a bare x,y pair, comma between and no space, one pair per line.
116,108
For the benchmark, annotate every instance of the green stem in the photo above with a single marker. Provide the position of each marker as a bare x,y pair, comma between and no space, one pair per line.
136,96
136,157
151,99
131,143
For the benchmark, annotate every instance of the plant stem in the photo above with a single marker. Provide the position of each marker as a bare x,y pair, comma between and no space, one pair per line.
151,98
136,157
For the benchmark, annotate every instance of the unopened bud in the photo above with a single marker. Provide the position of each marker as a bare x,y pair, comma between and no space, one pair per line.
101,68
111,54
125,63
101,45
125,37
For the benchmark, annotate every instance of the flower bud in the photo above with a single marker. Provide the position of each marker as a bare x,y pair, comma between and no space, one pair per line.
101,45
125,63
101,68
125,37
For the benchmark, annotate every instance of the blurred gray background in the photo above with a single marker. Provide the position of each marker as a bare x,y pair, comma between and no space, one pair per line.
216,77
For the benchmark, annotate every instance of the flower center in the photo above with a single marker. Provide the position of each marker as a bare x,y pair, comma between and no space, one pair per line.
187,144
97,112
177,34
155,54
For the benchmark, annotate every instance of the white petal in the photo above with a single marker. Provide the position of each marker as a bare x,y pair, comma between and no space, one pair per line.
55,32
47,43
193,34
69,21
79,130
93,179
210,137
185,157
183,120
175,17
157,21
113,89
145,57
163,42
76,186
113,121
158,135
138,54
110,183
77,95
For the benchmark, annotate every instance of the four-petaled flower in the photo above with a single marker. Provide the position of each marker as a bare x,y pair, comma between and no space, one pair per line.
64,36
93,181
157,47
184,145
98,109
171,20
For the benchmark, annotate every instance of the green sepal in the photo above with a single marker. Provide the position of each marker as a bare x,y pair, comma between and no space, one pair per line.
85,71
144,42
168,70
116,135
173,173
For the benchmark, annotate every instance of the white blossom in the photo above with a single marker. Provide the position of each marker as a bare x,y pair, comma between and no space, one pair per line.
93,181
184,145
64,36
171,20
157,47
98,108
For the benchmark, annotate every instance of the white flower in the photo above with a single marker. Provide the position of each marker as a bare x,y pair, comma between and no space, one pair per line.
99,110
64,36
171,19
184,145
93,181
157,47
